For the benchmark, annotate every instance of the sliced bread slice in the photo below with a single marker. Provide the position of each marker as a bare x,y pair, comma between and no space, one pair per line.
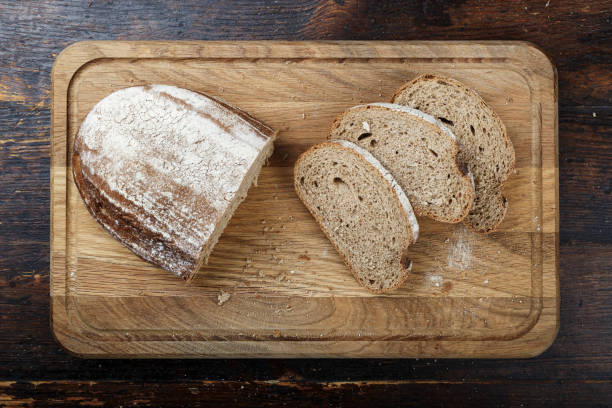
418,150
485,148
361,209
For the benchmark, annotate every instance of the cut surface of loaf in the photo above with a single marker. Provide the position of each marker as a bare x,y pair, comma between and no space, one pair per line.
361,209
418,150
162,169
485,148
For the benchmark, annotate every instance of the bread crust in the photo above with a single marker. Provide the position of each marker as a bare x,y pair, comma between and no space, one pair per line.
127,229
503,202
419,211
333,145
120,217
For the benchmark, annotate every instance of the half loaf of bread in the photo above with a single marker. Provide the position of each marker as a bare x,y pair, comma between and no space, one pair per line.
418,150
163,169
485,148
361,209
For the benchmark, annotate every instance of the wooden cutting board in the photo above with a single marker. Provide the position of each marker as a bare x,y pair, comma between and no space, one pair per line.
290,295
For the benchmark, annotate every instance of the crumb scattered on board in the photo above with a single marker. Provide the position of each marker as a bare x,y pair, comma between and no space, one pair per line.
223,297
436,280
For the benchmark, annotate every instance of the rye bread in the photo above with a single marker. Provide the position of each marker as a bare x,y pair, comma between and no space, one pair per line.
361,209
162,169
418,150
485,148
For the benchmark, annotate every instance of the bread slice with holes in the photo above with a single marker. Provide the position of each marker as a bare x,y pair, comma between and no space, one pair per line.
362,210
418,150
485,148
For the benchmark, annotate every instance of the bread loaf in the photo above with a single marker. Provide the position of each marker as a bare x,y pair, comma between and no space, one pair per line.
162,169
361,209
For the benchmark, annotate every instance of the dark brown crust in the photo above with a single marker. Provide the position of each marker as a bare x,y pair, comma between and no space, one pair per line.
502,200
420,211
128,229
318,219
261,127
123,226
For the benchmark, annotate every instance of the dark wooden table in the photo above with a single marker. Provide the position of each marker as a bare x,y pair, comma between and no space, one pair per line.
575,371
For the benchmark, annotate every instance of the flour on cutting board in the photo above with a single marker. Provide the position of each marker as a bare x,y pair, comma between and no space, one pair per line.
460,249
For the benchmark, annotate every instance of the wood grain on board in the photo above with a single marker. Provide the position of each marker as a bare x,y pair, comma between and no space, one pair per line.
469,295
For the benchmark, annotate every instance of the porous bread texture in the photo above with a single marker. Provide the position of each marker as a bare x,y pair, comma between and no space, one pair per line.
361,210
485,149
418,150
163,169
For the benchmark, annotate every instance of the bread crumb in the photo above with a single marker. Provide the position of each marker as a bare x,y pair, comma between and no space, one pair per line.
292,271
303,115
436,280
261,273
276,333
263,221
594,114
486,281
291,218
223,297
304,257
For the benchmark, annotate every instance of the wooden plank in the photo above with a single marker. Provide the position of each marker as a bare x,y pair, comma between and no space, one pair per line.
470,295
407,393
